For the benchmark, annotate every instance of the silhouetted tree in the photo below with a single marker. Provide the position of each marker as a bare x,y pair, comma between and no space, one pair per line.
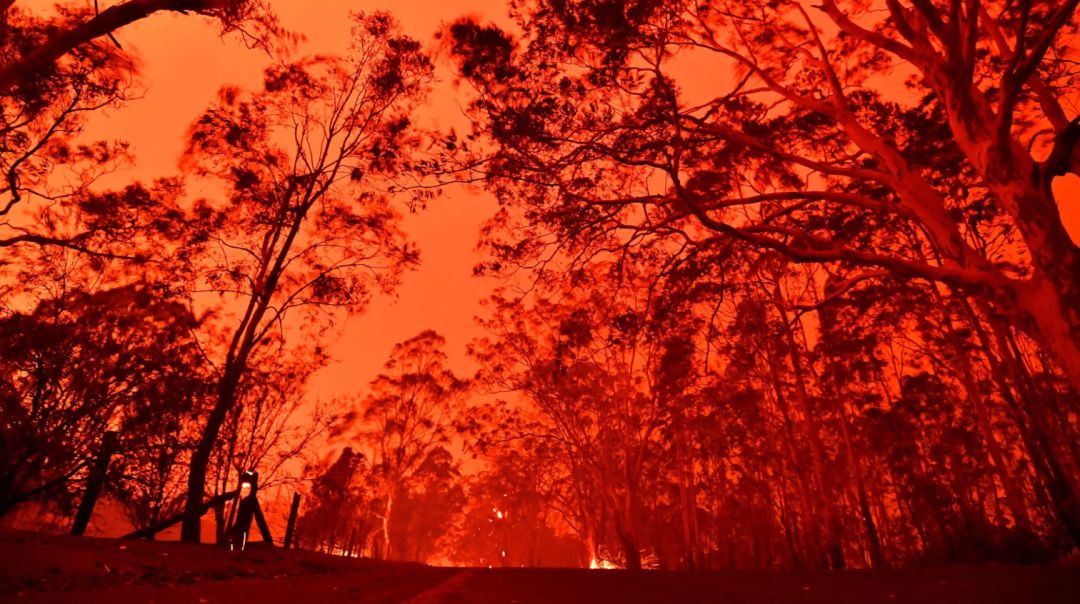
56,72
306,228
602,142
85,362
603,378
80,30
341,510
406,419
426,508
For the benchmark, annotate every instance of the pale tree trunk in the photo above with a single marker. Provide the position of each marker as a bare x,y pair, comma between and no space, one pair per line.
1047,304
1049,301
965,373
1052,312
812,431
387,510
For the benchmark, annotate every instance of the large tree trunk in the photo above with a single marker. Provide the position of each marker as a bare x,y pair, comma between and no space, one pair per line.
1049,301
630,549
1052,308
1046,305
387,510
191,530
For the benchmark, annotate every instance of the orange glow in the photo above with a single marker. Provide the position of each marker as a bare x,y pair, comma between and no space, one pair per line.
184,63
711,290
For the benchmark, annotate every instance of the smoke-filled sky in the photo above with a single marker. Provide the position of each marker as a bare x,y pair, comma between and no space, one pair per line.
185,61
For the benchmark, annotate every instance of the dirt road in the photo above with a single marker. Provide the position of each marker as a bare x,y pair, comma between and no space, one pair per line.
62,569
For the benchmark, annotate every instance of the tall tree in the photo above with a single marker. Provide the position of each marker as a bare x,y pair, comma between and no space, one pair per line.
427,507
407,418
341,513
598,130
307,227
602,373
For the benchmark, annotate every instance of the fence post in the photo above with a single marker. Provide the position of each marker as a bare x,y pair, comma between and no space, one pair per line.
248,509
291,526
94,482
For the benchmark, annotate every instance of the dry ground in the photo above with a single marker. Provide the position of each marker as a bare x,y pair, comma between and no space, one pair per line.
36,568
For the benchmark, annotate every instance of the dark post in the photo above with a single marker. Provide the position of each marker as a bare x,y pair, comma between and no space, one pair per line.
248,509
95,482
291,526
260,520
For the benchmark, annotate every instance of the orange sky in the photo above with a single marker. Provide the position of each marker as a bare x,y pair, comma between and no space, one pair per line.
184,64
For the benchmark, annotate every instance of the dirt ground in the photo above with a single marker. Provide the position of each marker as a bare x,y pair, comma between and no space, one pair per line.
36,568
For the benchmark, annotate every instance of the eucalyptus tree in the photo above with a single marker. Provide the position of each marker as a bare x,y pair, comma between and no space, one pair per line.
406,421
603,368
826,132
307,228
81,363
58,69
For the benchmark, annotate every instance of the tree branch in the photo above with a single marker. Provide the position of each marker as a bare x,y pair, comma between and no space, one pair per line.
842,288
103,24
1025,67
73,244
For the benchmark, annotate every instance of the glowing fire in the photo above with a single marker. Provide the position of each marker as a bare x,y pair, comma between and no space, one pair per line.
601,564
343,553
